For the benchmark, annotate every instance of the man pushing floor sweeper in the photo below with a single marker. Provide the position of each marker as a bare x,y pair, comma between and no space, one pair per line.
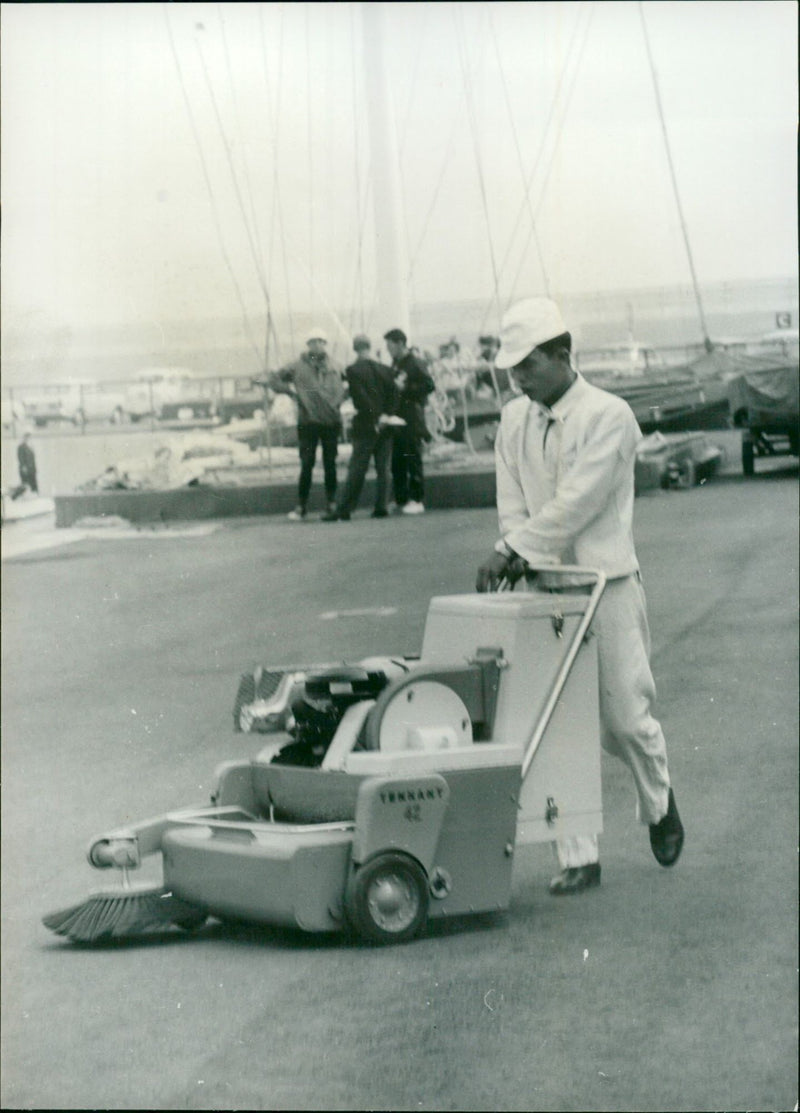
565,455
401,788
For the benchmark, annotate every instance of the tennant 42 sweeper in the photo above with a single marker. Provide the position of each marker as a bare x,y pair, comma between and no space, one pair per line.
393,791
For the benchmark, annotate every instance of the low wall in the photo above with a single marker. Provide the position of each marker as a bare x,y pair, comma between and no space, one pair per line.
442,491
459,488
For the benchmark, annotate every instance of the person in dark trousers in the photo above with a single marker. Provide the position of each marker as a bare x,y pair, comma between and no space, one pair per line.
414,384
26,462
374,395
316,385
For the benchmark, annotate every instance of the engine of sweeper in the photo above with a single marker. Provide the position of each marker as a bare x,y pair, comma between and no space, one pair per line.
318,710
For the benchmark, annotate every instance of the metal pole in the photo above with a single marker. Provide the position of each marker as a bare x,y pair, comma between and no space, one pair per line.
390,253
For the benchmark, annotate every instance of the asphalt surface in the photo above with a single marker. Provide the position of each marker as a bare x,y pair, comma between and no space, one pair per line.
661,990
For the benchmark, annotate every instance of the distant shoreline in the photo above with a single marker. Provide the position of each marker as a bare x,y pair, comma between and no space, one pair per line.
660,316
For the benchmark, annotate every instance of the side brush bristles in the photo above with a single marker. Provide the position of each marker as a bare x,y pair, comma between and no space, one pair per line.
121,913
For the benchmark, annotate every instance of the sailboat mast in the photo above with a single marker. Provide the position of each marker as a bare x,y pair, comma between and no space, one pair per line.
390,253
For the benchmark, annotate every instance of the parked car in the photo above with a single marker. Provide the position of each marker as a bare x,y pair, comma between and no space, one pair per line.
240,398
171,394
45,404
75,402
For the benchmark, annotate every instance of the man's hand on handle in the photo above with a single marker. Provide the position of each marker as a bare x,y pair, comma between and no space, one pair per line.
497,567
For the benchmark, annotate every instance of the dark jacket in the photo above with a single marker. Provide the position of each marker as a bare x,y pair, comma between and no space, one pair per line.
372,391
317,386
27,464
413,394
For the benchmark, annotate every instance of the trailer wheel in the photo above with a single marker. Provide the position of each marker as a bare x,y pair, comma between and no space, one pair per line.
386,900
748,457
684,476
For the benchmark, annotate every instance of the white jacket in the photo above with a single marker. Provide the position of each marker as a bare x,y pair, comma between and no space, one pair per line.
565,480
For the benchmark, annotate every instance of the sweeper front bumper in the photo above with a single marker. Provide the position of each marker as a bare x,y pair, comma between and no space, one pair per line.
488,741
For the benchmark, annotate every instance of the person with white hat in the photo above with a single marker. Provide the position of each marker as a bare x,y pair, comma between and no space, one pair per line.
565,455
317,386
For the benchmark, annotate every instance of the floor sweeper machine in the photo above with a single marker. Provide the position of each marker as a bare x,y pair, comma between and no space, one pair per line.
392,790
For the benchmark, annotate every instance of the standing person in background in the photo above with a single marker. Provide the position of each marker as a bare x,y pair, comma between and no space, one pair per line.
564,456
414,384
491,379
317,387
374,395
26,462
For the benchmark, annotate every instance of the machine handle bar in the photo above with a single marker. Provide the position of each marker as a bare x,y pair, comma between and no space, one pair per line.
543,721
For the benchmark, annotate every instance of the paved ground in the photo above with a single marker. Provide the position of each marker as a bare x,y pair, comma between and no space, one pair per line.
663,990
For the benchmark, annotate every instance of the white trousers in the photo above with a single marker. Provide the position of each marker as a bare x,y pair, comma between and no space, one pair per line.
628,728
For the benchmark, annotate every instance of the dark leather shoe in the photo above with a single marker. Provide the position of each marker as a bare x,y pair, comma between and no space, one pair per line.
575,880
379,514
666,836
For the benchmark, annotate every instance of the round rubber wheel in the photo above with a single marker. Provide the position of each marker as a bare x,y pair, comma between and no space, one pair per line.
748,458
386,900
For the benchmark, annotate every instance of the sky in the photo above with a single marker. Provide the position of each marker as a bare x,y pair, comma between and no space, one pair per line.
192,161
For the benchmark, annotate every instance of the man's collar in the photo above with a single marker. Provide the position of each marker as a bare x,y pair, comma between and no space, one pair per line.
568,400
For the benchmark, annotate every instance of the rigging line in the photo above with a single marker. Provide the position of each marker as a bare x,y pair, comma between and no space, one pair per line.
321,297
271,330
520,161
561,122
359,277
403,135
476,147
260,264
310,152
707,340
413,84
234,176
277,208
238,120
543,143
207,179
442,172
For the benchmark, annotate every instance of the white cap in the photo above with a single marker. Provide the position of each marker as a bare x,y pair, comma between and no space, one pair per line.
525,326
317,333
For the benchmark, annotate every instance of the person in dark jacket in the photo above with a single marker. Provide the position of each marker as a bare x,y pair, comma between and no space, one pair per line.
316,385
26,462
374,396
414,384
